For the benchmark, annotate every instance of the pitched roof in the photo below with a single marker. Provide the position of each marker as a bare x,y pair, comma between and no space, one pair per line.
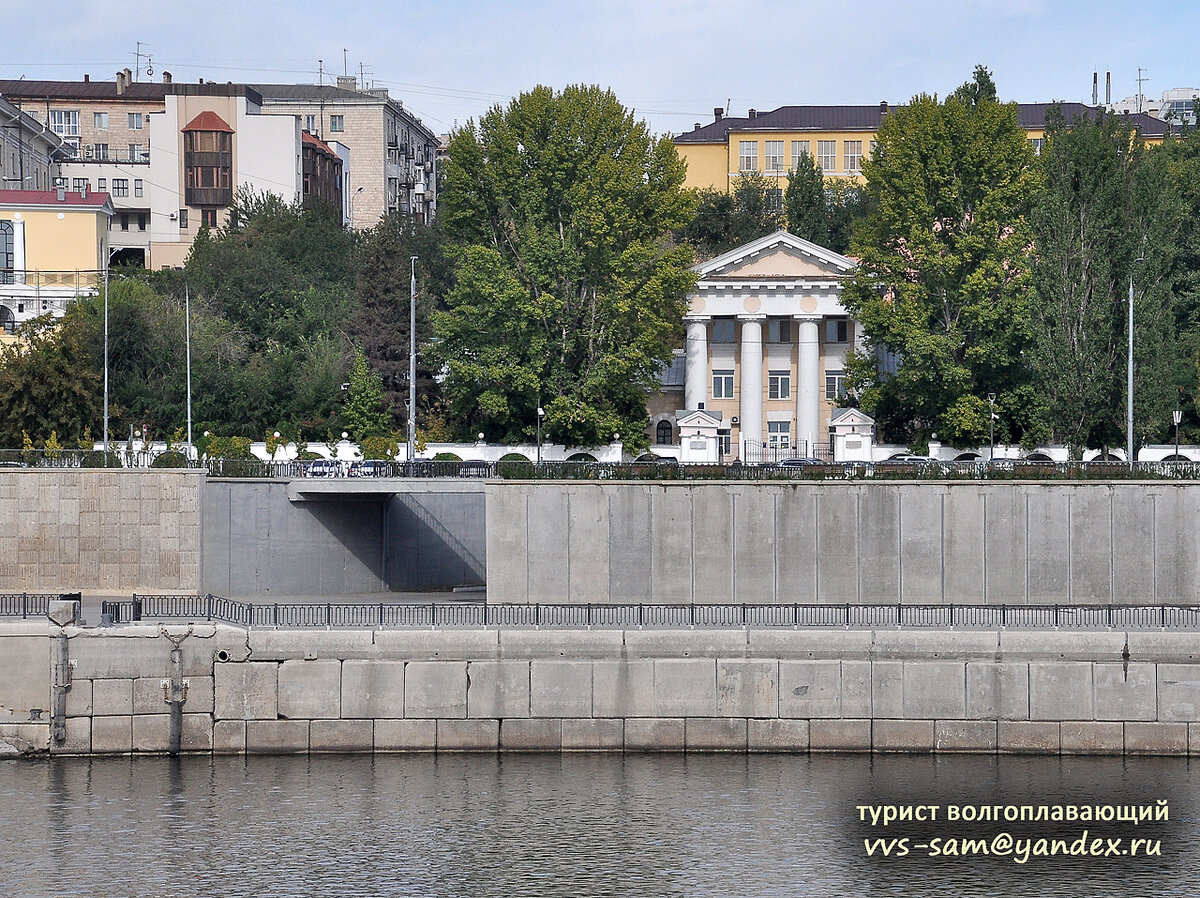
868,118
82,90
317,144
93,200
671,377
208,121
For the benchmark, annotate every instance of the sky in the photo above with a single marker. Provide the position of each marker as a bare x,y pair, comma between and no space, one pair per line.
672,61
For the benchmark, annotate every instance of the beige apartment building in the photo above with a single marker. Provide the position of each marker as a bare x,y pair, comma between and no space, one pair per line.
29,153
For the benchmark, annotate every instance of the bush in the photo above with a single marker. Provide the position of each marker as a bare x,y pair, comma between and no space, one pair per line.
97,458
229,447
170,459
446,456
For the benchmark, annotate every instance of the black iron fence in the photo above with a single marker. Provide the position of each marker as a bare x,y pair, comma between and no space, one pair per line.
152,608
26,604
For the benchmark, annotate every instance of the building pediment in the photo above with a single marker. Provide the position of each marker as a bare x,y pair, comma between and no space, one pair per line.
843,418
698,418
778,256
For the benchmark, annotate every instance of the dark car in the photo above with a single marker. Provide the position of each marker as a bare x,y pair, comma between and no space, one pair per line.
800,462
474,467
324,467
372,467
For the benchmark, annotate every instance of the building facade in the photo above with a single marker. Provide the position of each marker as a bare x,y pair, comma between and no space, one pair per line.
29,153
53,249
838,138
393,153
767,340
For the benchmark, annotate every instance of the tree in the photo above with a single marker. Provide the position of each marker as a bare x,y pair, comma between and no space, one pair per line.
943,277
1108,212
363,413
753,208
569,291
380,323
804,202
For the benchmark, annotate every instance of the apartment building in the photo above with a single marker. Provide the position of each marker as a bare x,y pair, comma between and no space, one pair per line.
53,249
28,152
765,355
393,153
838,138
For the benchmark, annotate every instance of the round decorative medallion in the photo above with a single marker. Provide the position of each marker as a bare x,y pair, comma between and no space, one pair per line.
808,303
752,304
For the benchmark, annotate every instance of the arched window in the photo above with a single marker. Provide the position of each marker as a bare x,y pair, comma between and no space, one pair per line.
8,323
7,253
662,433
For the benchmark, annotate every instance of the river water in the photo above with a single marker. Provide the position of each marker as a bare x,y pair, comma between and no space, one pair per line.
571,825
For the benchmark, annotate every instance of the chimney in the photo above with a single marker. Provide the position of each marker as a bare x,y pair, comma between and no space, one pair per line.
1108,88
883,107
753,114
1095,88
697,128
120,83
166,77
86,77
347,82
128,77
718,113
62,193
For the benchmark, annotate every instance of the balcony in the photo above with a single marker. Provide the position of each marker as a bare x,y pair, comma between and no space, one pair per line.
208,196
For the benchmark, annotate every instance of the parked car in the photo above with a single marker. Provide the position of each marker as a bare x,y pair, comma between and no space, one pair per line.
324,467
907,460
474,467
372,467
800,462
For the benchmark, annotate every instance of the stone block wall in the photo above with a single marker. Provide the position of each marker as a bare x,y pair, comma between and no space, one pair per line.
268,691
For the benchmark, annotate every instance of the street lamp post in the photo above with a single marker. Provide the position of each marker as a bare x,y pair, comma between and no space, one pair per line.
1129,375
187,330
540,414
1177,416
412,358
992,428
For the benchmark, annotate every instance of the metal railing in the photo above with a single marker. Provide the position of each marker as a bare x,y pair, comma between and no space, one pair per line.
372,615
26,604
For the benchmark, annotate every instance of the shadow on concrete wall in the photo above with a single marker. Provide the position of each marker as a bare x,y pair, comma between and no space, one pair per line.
436,541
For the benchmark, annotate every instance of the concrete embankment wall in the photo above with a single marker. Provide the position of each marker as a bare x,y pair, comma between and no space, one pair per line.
267,691
841,542
100,531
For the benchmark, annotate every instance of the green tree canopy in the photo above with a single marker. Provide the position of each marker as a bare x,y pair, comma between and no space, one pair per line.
363,413
724,220
804,202
1108,213
569,292
943,279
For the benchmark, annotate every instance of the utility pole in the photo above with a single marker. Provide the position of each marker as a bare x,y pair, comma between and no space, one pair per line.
187,330
1129,378
106,254
992,427
1140,82
412,360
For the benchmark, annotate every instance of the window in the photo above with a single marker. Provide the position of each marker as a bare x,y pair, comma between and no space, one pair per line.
137,152
853,155
102,184
137,186
99,151
65,122
827,155
79,184
141,221
779,384
209,217
774,153
775,199
183,219
835,385
8,322
135,121
8,251
779,433
748,155
779,330
722,331
662,433
120,187
722,384
874,147
310,123
723,441
799,152
337,123
837,330
1037,143
124,218
100,121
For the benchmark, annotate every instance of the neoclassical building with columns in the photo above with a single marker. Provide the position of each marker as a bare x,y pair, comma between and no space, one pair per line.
767,339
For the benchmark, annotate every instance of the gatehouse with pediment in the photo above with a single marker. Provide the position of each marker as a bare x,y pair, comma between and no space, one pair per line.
767,340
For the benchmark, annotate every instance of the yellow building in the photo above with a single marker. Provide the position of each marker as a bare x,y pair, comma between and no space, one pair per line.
53,249
837,137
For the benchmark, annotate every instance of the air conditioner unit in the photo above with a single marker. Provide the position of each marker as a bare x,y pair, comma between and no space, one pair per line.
174,216
89,151
734,420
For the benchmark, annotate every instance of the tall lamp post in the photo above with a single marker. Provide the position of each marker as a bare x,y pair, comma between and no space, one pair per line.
1129,375
412,358
1177,416
541,412
992,428
187,330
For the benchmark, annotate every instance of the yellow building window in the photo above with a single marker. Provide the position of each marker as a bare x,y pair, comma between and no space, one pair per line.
774,155
799,151
748,155
853,153
827,155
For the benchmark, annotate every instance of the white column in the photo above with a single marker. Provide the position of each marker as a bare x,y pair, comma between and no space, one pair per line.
695,371
750,410
808,377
